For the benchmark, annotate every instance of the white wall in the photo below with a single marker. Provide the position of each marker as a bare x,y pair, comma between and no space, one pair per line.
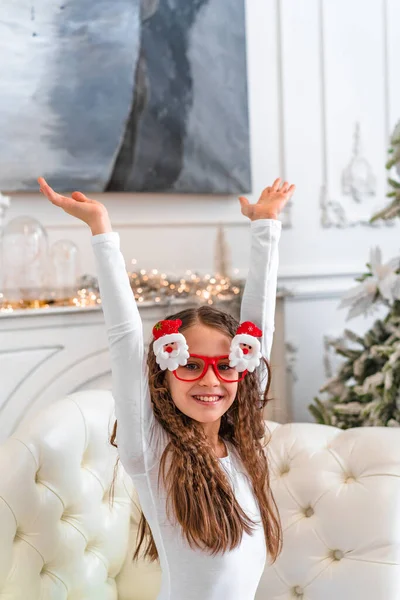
315,67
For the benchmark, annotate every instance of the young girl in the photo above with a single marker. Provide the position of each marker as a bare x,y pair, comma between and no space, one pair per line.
190,420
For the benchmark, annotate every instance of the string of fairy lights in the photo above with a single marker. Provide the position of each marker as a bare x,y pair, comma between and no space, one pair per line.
148,286
156,286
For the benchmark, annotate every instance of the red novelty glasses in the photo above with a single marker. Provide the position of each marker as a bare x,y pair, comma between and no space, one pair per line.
197,367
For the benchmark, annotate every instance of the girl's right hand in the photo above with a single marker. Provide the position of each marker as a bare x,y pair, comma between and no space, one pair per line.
91,212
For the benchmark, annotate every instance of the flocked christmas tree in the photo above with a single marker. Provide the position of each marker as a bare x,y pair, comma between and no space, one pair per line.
366,389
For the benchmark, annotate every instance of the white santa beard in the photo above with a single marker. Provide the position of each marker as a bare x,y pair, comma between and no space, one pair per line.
167,363
237,363
244,362
164,354
252,363
172,360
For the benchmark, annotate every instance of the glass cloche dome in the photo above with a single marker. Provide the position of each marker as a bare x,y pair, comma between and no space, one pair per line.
24,263
63,266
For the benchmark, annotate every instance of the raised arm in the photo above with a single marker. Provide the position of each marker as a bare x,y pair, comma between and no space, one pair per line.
139,435
259,296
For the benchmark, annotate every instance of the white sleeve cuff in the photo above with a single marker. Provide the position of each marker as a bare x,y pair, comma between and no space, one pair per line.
111,236
274,224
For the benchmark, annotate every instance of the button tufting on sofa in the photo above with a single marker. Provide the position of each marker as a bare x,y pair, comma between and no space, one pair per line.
285,469
337,554
322,457
298,591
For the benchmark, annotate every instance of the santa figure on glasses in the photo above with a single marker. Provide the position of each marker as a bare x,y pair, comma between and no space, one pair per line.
170,346
245,351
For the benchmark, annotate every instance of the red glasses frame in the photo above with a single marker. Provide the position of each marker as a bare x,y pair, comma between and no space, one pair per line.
211,360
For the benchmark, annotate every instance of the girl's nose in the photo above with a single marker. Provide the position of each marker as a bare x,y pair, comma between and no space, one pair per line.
209,377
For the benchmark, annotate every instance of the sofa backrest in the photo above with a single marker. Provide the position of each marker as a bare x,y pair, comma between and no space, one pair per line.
60,537
338,494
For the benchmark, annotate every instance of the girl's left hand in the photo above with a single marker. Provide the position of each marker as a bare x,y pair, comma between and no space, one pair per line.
271,202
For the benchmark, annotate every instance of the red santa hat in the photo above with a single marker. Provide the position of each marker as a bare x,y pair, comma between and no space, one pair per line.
247,333
167,332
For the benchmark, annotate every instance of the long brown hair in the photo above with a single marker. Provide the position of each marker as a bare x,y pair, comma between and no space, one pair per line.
198,490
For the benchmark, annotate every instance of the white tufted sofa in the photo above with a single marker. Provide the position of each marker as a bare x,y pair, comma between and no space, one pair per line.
60,538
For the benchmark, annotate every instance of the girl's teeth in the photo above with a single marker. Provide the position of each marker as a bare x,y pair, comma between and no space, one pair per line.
207,398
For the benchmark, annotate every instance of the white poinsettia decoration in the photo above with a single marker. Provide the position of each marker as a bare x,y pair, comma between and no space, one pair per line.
383,282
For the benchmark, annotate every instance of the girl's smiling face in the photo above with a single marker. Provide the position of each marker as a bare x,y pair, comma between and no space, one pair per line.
205,341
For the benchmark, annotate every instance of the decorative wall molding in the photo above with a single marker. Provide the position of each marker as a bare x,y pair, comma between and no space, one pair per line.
333,214
25,360
323,285
354,208
292,352
287,212
358,179
331,360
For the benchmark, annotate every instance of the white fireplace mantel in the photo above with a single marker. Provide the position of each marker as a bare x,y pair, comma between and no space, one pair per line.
47,354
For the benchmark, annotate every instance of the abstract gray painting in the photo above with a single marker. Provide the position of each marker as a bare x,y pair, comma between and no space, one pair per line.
124,95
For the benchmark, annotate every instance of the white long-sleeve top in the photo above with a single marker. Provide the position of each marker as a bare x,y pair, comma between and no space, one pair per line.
187,574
